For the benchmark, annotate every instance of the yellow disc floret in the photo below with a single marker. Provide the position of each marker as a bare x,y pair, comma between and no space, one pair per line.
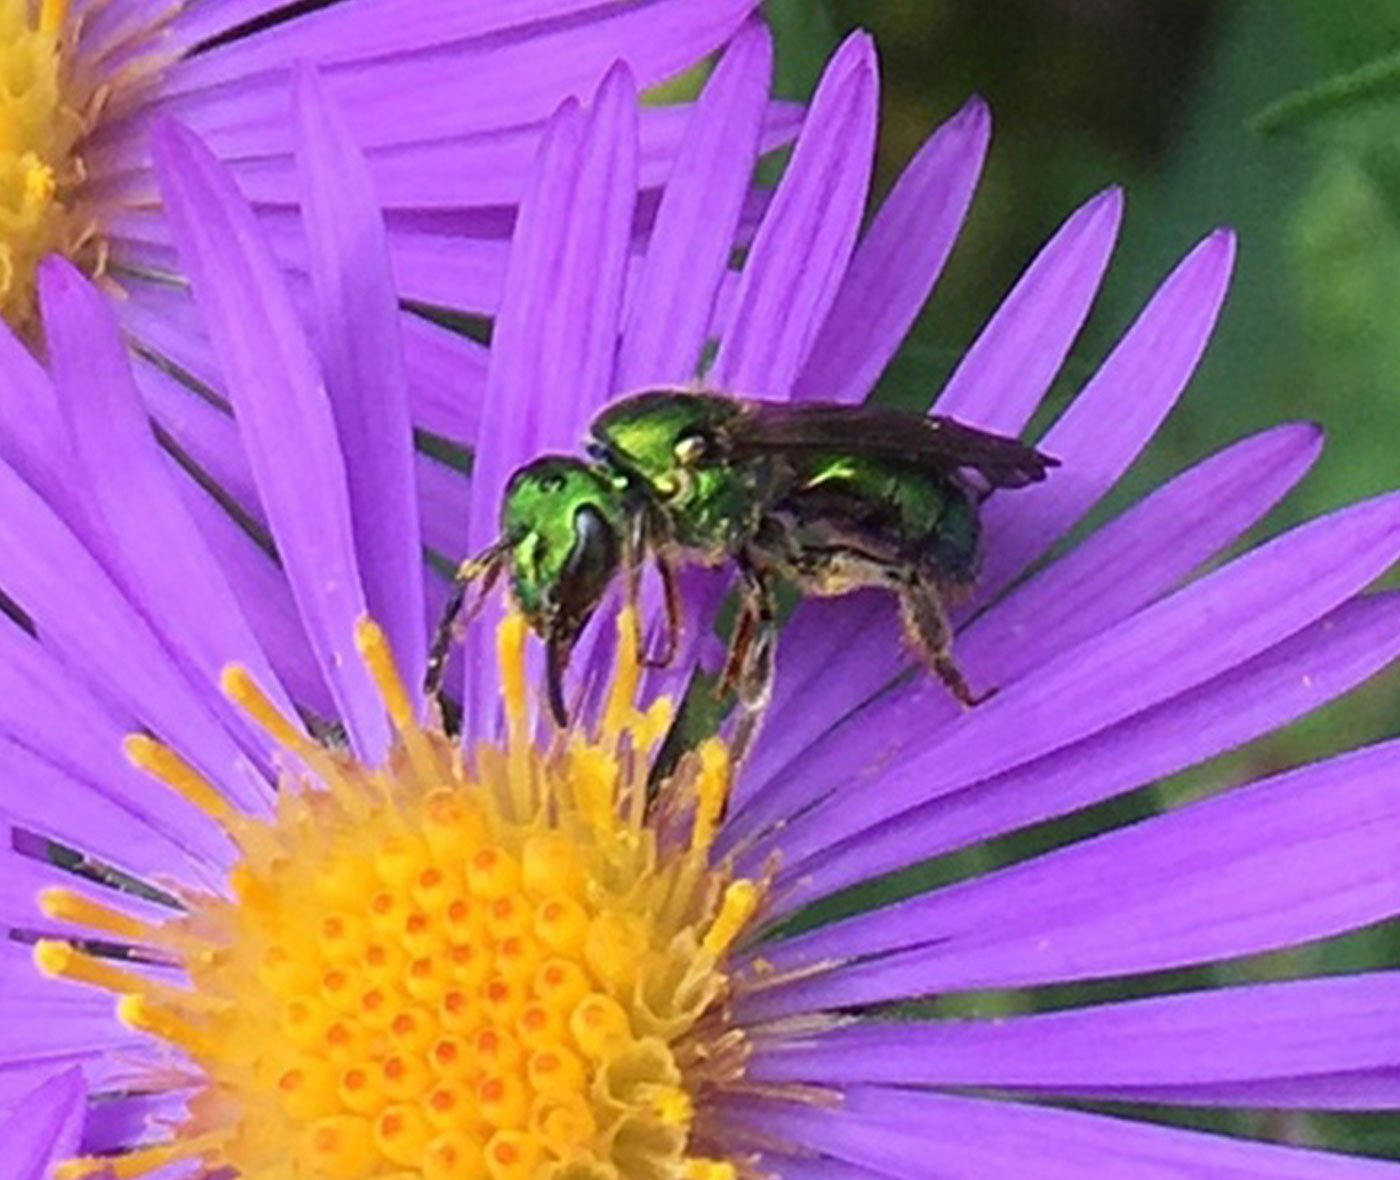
44,111
503,964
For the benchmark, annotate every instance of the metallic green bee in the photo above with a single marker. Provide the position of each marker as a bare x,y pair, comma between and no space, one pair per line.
827,497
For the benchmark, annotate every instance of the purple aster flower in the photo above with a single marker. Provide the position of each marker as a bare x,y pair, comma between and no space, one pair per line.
398,954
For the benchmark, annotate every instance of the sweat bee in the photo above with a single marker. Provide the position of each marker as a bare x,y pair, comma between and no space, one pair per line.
825,497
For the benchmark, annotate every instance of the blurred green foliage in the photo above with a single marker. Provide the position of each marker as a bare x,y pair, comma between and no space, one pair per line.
1165,98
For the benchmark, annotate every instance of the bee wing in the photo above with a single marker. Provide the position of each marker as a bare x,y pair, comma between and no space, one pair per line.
940,443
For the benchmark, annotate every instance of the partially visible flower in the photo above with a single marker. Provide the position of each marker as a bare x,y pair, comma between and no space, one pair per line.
516,955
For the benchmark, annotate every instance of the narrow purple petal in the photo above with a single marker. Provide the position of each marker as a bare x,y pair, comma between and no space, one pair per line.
43,1128
284,416
490,82
1108,424
908,1135
133,828
555,340
261,588
33,1027
87,621
446,372
1175,644
671,306
121,1119
797,261
898,261
366,28
33,440
60,729
1180,1044
206,434
479,171
357,331
1009,367
1116,571
157,552
1286,682
1288,859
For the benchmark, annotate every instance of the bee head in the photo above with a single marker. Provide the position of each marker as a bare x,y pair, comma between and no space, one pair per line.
562,524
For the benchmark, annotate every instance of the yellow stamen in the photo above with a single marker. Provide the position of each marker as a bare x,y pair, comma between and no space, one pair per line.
703,1169
145,1015
245,692
63,905
510,648
163,763
711,791
741,900
138,1162
373,646
52,15
626,676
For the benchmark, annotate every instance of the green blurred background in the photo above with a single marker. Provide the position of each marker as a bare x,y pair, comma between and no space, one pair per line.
1162,96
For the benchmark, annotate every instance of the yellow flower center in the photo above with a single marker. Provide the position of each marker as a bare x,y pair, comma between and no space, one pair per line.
510,963
43,114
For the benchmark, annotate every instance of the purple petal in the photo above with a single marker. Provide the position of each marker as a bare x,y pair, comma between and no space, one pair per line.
43,1127
1119,410
797,261
1180,642
258,584
60,730
33,440
555,340
1282,684
1116,571
1288,859
906,1135
489,83
694,235
206,434
1009,367
86,620
463,175
1174,1046
284,416
357,330
158,553
132,828
367,29
898,261
121,1119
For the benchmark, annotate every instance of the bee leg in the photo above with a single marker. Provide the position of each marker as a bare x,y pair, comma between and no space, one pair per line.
671,591
926,624
487,565
749,668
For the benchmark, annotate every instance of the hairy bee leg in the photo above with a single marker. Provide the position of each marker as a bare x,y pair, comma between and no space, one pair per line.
671,591
926,624
749,669
486,565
